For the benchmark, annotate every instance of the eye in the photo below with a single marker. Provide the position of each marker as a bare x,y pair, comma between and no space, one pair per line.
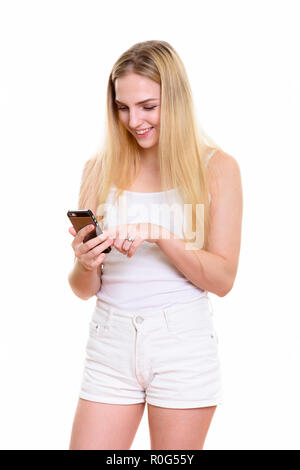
148,109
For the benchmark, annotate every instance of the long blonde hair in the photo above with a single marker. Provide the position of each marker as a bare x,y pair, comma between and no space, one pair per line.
183,145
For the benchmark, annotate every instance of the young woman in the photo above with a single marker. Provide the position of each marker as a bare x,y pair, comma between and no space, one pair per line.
152,336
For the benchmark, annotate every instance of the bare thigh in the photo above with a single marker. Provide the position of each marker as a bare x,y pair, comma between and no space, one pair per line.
104,426
173,428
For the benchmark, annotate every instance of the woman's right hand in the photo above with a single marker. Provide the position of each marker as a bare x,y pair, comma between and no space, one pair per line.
89,255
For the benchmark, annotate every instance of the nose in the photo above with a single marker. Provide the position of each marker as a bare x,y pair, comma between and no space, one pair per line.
133,120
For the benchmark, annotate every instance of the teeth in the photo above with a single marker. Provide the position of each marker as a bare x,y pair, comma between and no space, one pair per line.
144,131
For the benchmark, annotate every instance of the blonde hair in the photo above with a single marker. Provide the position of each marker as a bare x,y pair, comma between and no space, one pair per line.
183,145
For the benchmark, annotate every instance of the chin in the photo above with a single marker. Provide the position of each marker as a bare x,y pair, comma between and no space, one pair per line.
147,145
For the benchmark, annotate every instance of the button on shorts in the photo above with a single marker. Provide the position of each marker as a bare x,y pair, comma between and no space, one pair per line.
166,357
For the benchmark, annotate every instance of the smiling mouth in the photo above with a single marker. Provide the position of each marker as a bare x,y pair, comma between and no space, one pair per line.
144,131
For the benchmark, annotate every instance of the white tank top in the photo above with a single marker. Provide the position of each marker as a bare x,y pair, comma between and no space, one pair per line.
148,280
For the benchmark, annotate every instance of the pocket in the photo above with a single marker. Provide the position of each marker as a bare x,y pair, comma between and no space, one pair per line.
194,337
192,323
98,328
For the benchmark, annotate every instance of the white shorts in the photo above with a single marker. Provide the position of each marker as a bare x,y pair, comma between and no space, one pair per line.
167,357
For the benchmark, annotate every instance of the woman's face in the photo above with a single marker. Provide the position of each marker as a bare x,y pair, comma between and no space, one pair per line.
130,91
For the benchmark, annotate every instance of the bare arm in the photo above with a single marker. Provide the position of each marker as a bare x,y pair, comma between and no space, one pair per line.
85,277
205,270
214,269
84,283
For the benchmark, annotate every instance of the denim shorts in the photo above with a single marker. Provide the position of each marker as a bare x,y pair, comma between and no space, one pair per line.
166,357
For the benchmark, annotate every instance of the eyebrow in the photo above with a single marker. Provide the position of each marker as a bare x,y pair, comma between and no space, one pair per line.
140,102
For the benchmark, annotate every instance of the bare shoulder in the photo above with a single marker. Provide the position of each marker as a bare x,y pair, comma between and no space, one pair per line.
223,172
222,162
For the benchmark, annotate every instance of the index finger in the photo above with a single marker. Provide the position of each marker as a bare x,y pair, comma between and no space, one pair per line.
83,232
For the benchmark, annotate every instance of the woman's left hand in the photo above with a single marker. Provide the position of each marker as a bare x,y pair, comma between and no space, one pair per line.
140,233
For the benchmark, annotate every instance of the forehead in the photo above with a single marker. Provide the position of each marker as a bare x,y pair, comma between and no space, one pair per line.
136,87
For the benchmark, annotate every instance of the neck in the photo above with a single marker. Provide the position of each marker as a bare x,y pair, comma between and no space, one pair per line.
149,159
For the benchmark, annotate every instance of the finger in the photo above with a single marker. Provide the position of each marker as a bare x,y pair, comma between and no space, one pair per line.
132,249
90,244
81,234
127,244
122,245
98,249
98,260
72,231
118,244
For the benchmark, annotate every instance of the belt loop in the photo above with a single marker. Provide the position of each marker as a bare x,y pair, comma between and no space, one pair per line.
107,318
210,305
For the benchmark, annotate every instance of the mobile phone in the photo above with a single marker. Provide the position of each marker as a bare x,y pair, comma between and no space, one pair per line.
80,219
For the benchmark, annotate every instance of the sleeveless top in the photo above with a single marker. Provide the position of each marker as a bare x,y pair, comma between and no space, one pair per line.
148,280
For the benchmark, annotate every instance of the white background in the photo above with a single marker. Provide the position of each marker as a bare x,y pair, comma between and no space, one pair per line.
242,59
